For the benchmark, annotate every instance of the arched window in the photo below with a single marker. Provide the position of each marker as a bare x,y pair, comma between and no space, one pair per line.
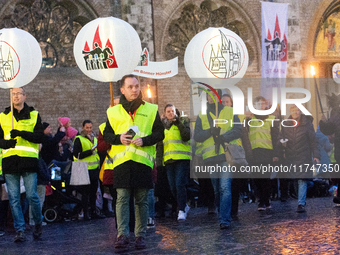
54,24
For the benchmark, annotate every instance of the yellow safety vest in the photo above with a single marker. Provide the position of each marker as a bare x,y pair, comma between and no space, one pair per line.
208,148
23,148
260,136
332,156
93,160
174,147
120,122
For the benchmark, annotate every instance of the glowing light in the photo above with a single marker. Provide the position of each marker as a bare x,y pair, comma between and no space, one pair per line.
312,70
149,91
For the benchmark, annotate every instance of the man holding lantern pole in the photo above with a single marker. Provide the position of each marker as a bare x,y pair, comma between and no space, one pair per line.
20,136
133,128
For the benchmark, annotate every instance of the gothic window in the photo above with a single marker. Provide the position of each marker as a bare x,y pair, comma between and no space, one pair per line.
194,19
54,24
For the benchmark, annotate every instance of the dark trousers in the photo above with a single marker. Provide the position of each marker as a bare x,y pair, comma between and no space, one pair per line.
89,192
263,190
207,192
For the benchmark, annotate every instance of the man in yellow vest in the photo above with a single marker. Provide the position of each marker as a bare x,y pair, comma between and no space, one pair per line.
133,128
20,158
213,139
85,149
263,137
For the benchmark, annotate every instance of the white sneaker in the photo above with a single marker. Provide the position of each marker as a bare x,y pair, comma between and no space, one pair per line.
187,208
181,215
151,223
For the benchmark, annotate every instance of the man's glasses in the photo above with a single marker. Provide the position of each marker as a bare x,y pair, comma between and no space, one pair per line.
17,94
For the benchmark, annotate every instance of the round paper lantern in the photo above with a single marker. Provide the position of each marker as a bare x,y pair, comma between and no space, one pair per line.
336,72
20,58
106,49
216,56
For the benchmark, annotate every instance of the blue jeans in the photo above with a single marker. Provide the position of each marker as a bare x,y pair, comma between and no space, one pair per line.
151,202
222,188
178,174
13,188
302,192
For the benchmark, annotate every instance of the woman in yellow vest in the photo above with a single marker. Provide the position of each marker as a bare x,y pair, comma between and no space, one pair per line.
263,137
85,149
177,156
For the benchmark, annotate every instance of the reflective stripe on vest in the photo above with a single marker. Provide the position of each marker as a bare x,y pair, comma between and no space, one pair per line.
120,122
23,147
174,147
208,148
259,136
93,160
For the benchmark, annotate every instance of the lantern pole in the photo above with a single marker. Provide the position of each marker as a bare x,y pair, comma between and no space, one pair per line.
10,91
111,93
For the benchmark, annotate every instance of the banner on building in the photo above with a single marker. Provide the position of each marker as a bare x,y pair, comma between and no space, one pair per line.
156,70
274,47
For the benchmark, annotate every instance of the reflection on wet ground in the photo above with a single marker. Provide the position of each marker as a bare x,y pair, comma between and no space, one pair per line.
278,231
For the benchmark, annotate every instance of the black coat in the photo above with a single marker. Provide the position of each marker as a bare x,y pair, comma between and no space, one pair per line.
50,147
302,145
330,127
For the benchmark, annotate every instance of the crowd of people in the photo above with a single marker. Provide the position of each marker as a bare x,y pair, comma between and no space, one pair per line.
139,155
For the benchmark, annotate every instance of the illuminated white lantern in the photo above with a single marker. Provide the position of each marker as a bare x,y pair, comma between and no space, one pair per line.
336,72
216,56
20,58
106,49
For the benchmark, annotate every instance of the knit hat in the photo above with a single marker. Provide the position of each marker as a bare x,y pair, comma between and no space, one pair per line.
71,132
63,120
45,124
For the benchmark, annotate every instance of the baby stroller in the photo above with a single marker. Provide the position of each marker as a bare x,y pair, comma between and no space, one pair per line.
61,204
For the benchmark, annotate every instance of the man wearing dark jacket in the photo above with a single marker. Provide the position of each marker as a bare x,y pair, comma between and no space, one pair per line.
50,145
332,127
298,140
20,158
133,156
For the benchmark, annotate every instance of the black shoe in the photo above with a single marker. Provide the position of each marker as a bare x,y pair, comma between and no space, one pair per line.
160,214
140,243
211,210
336,200
234,217
37,231
122,243
261,207
20,237
97,216
224,226
301,209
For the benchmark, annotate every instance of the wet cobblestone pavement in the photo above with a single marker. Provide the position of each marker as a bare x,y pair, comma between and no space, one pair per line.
278,231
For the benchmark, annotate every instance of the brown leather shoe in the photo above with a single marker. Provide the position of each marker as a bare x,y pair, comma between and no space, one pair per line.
140,243
122,242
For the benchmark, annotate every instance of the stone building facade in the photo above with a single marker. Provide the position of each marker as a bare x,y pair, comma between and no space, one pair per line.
165,28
